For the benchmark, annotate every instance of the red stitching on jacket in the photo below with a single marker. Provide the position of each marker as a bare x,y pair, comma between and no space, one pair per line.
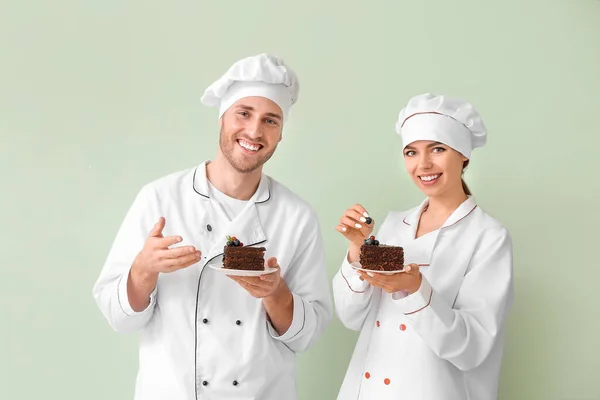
469,213
348,283
426,305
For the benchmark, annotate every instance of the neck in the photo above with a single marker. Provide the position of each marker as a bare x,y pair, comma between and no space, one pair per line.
444,205
226,179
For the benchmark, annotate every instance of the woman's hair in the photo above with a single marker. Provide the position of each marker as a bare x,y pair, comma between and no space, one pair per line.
464,185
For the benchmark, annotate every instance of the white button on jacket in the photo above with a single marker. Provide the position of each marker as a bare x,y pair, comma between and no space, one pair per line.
203,336
445,341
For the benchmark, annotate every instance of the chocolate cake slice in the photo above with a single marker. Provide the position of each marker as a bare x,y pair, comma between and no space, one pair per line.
238,256
378,257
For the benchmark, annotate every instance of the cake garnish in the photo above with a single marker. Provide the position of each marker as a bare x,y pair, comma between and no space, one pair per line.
369,220
232,241
371,241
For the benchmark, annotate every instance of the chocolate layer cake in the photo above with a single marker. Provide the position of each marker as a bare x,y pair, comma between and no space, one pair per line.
378,257
238,256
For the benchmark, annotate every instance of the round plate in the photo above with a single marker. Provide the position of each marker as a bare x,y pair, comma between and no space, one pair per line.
357,267
241,272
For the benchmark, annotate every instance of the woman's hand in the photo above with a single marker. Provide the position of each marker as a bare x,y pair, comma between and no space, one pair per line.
356,225
409,281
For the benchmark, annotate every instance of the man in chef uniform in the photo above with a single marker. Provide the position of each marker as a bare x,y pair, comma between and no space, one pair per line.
205,334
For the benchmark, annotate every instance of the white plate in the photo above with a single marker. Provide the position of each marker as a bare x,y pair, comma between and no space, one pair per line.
357,267
241,272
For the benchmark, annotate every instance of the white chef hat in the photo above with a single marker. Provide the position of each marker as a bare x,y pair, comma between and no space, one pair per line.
453,122
262,75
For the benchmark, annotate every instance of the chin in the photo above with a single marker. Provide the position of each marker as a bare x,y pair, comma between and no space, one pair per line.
243,165
430,192
245,168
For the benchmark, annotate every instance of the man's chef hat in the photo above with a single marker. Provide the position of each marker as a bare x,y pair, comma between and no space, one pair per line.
262,75
442,119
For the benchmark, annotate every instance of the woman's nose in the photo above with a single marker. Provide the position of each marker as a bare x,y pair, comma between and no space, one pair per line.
425,162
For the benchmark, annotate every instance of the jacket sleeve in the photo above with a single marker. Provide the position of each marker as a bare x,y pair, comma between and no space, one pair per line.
353,297
110,290
306,277
465,333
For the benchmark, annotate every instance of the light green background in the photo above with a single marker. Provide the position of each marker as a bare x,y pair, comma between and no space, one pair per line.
99,97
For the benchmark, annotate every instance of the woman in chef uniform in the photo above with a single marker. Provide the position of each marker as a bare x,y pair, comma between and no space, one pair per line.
435,331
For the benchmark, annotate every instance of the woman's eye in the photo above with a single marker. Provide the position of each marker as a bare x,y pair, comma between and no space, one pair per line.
243,113
438,149
409,153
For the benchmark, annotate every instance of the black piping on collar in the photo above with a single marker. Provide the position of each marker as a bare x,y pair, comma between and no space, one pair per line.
208,197
194,184
267,199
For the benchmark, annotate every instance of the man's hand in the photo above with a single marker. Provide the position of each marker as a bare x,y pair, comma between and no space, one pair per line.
277,297
262,286
154,258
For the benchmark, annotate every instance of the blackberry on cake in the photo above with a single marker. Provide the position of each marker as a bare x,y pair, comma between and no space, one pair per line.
238,256
381,257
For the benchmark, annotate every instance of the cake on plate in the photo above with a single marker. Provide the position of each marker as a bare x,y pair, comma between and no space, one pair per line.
381,257
238,256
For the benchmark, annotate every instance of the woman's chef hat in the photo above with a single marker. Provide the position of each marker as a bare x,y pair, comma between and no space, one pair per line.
262,75
442,119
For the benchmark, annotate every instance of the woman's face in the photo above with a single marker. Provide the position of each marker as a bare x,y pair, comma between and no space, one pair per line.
434,167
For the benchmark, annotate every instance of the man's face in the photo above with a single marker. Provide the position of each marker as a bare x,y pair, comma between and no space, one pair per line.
250,131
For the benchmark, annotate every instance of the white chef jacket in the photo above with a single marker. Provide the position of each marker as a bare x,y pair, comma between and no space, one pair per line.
445,341
202,335
232,207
